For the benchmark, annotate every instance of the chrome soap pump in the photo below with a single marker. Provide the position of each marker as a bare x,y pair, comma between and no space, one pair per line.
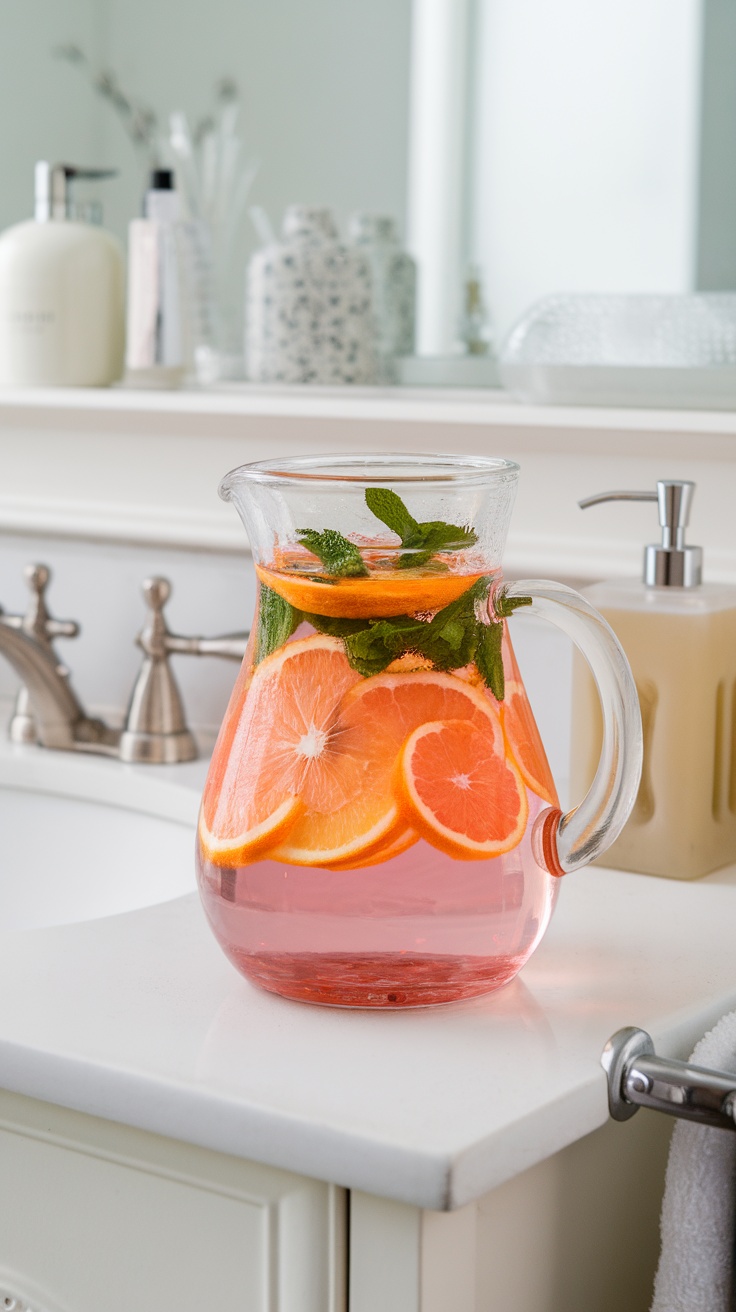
679,635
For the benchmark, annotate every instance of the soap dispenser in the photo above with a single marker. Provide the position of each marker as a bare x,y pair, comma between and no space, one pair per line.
679,635
61,292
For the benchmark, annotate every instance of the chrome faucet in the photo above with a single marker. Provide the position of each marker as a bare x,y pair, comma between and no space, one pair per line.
47,709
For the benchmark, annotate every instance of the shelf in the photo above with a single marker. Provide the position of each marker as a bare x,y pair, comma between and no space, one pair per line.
139,467
396,404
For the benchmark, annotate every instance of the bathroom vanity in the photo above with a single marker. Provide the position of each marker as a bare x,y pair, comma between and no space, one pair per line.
172,1138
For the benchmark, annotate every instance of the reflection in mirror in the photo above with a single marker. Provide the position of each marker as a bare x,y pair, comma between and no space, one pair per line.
570,147
521,147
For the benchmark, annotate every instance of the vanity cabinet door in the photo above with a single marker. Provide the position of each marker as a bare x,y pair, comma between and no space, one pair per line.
96,1217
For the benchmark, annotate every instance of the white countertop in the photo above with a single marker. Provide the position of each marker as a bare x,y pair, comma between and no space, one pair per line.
140,1018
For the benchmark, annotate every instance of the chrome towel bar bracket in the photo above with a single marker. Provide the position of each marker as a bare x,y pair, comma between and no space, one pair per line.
637,1077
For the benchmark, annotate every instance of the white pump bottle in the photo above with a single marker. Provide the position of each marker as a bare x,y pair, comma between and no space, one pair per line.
62,301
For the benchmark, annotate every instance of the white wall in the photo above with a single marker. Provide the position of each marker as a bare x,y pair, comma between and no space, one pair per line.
324,84
45,110
586,147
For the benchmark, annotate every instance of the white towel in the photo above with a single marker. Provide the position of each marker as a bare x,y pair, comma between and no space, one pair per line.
696,1265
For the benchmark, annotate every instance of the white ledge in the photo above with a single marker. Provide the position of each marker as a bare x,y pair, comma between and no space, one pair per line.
143,467
411,405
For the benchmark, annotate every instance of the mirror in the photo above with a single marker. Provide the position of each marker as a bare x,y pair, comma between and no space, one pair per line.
562,146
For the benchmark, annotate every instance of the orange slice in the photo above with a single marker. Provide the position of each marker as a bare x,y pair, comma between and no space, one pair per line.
373,722
271,760
393,847
409,663
461,792
382,593
525,744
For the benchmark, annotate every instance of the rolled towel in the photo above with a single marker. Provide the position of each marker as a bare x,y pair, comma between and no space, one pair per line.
698,1228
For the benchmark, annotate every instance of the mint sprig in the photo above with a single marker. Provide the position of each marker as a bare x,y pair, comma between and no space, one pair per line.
420,540
489,652
340,557
277,620
449,640
455,636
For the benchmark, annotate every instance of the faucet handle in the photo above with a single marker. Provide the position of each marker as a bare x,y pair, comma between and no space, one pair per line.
37,623
155,727
157,640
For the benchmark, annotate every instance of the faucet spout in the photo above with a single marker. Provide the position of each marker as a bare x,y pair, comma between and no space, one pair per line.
62,723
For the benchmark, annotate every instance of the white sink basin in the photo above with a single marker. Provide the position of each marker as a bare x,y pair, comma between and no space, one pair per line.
63,859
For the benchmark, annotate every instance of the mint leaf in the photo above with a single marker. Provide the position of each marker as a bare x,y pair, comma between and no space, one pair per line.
390,509
436,534
489,653
335,626
382,641
453,638
420,541
339,556
277,620
504,606
370,651
489,658
453,634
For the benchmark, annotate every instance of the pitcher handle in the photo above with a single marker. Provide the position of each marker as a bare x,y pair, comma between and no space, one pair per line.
564,842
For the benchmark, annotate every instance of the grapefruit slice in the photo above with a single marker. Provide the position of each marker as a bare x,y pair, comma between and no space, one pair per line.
272,759
460,792
525,744
375,718
392,847
382,593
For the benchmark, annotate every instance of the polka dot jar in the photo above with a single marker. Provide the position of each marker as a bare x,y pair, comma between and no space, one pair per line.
309,306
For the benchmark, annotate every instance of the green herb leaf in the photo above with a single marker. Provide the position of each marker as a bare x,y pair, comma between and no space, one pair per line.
390,509
335,626
339,556
504,606
420,541
370,651
449,639
277,620
437,534
489,653
489,658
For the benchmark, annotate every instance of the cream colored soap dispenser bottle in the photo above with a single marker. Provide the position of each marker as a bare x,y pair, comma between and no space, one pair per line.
62,304
679,635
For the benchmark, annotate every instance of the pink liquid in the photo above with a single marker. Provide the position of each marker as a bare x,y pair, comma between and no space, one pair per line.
418,929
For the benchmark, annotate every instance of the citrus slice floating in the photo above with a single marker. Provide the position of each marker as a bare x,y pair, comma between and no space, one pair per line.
271,760
382,593
384,852
374,720
525,744
460,792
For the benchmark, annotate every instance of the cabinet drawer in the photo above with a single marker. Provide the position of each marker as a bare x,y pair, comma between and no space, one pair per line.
95,1215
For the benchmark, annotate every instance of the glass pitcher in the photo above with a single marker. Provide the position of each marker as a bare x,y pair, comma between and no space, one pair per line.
379,826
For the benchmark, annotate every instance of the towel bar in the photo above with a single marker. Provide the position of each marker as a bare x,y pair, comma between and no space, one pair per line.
638,1078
